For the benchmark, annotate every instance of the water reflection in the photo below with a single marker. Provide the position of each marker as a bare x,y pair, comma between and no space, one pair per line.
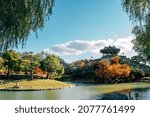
77,93
139,94
120,96
114,96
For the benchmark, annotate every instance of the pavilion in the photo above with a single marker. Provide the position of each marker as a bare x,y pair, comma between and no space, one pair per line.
109,51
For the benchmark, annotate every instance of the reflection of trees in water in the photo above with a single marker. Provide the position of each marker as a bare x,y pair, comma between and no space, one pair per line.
136,94
114,96
121,96
133,96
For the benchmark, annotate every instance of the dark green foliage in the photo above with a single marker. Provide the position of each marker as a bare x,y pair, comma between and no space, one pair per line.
29,62
138,59
136,73
11,60
67,68
19,17
83,74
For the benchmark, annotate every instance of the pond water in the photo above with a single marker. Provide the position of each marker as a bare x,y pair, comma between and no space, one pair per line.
80,92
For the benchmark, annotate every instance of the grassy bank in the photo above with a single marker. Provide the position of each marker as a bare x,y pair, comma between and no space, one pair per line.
34,85
127,87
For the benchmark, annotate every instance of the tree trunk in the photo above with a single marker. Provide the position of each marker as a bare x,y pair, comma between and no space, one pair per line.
31,73
8,72
26,74
47,75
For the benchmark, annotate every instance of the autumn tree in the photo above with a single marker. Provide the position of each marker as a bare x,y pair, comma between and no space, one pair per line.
101,67
20,17
112,70
51,64
38,71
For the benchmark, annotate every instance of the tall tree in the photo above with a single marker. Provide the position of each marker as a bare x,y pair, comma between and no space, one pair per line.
29,62
52,65
11,60
19,17
139,13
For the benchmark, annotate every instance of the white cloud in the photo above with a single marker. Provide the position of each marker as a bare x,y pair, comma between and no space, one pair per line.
80,47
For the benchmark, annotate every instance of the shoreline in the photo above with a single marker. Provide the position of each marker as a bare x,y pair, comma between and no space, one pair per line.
110,88
57,88
35,85
46,85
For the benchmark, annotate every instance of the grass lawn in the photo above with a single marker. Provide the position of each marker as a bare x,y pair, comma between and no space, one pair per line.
109,88
34,85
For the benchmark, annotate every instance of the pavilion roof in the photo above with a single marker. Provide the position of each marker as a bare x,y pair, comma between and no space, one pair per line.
110,49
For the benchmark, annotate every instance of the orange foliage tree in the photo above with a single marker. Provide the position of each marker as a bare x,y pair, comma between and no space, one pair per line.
108,71
38,71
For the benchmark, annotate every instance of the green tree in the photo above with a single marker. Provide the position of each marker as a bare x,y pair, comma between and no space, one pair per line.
1,63
19,17
139,13
52,65
29,62
11,60
138,59
67,68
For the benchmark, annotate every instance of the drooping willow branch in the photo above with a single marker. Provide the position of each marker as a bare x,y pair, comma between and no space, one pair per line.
19,17
139,13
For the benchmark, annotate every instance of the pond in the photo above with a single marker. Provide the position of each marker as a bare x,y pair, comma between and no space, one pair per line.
80,92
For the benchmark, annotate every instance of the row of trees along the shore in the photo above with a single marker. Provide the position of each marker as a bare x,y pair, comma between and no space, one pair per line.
29,63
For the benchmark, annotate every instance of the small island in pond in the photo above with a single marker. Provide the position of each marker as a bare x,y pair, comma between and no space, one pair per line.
33,85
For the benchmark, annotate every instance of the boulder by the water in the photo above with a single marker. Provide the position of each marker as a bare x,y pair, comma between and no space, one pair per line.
146,79
1,81
114,96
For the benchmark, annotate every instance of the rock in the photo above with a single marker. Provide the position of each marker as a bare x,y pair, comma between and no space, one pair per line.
18,86
146,79
1,81
114,96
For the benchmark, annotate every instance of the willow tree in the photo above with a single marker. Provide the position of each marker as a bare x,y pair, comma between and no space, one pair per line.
19,17
139,13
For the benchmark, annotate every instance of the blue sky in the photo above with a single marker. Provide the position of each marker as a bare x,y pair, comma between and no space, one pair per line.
81,20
